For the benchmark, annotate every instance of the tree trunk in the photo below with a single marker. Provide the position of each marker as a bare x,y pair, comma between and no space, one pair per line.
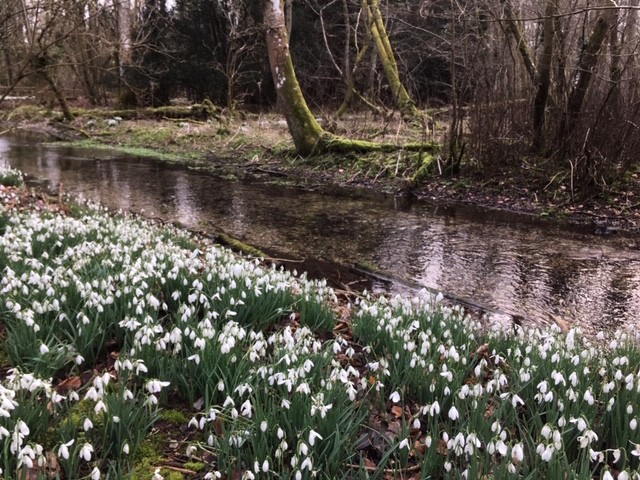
304,128
308,136
405,103
62,101
518,35
544,77
615,70
123,16
584,73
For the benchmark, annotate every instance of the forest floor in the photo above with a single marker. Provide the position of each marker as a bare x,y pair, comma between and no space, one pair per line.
260,145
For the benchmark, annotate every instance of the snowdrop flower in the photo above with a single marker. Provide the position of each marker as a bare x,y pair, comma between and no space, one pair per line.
155,386
87,425
125,448
586,439
633,424
453,413
263,426
307,463
395,397
95,474
517,453
63,451
516,400
156,475
546,453
245,409
86,451
312,437
404,444
100,406
588,397
43,349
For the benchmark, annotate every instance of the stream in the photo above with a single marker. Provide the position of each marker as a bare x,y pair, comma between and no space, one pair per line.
507,263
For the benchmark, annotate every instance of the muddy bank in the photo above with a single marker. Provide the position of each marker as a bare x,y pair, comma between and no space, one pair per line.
259,146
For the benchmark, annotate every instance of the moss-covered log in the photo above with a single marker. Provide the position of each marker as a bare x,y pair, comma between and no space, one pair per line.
203,111
239,246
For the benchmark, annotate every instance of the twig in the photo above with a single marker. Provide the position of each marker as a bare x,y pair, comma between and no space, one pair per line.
288,260
179,469
412,469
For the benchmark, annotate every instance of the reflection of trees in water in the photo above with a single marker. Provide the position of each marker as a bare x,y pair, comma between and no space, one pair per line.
514,268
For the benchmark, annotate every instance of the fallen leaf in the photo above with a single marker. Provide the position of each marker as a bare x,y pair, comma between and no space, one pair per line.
396,411
71,383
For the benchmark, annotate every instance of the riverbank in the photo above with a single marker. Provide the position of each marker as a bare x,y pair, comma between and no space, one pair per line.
133,349
260,145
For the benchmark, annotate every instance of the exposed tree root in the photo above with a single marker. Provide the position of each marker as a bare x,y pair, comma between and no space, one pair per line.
329,143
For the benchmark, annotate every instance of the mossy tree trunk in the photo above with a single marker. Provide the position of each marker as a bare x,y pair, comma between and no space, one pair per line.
405,103
303,126
308,136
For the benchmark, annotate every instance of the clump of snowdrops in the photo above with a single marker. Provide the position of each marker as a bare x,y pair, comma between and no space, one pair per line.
108,319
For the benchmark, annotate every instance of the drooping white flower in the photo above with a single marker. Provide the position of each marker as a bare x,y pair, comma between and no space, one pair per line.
453,413
63,450
86,451
87,425
517,453
313,435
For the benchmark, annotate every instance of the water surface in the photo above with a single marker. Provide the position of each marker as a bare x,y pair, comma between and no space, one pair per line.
515,265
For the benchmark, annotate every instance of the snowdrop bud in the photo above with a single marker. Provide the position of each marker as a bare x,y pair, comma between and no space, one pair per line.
263,426
633,424
43,349
394,397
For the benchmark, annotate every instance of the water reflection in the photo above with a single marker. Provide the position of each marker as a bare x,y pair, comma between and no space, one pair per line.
530,269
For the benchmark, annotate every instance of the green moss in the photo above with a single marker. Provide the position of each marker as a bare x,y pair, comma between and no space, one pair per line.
171,475
424,169
239,246
148,457
175,417
134,150
195,466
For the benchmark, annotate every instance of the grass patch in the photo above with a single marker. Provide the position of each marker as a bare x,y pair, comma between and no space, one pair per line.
134,151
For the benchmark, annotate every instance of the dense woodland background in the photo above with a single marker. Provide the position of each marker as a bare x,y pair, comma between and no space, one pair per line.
544,82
